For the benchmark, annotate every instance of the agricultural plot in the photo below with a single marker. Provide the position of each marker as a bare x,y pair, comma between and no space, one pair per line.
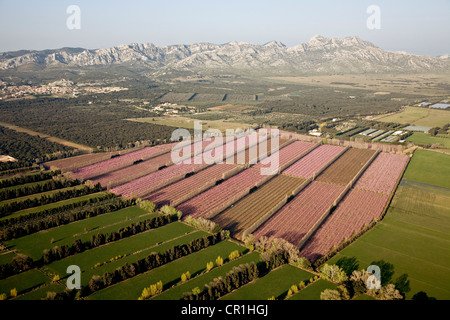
276,283
429,167
176,97
41,194
72,163
131,249
383,173
424,139
239,97
299,215
121,176
187,188
309,165
156,180
24,281
206,97
34,244
345,168
221,196
254,153
313,291
53,205
245,213
419,117
200,281
116,163
413,236
286,156
356,210
169,274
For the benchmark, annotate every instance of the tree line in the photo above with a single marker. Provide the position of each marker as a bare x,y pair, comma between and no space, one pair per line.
78,246
61,252
152,261
26,190
28,178
238,277
52,211
10,207
50,221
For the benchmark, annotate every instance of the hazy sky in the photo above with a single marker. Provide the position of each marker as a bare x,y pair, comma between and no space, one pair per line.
415,26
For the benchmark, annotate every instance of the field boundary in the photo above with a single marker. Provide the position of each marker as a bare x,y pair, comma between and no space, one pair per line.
329,163
274,210
213,213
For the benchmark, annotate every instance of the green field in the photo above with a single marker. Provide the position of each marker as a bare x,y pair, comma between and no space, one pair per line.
422,138
23,281
41,292
313,291
429,167
135,248
176,292
38,195
276,283
33,244
413,238
419,117
27,185
169,274
51,205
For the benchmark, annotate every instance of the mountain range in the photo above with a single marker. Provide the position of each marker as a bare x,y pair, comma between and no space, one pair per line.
320,55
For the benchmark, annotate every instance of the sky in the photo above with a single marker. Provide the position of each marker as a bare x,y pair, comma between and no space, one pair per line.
414,26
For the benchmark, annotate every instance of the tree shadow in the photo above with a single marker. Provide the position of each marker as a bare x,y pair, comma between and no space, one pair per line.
387,271
402,284
348,264
422,296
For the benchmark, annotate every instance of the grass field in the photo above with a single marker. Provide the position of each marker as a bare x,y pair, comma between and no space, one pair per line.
421,138
135,248
51,205
169,274
27,185
413,238
275,283
38,195
313,291
23,281
41,292
429,167
419,117
200,281
33,244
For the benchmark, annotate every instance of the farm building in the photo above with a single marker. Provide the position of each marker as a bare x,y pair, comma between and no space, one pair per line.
440,106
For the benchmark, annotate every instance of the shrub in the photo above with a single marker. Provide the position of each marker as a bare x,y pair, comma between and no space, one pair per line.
219,261
185,276
301,285
151,291
333,273
146,205
13,293
209,265
233,255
